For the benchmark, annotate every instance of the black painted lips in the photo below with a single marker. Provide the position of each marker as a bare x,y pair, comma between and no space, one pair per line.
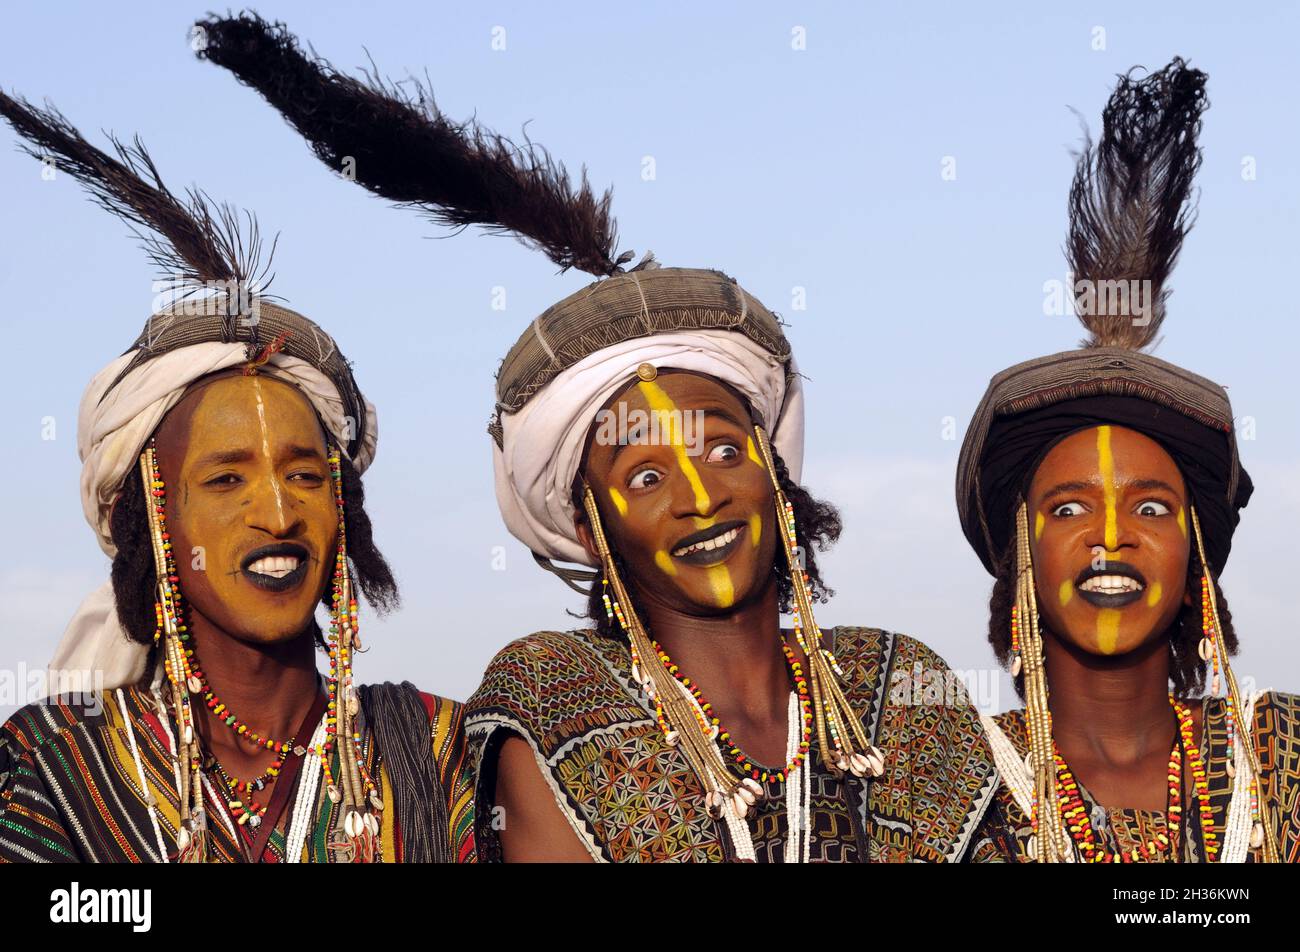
269,582
710,556
1103,600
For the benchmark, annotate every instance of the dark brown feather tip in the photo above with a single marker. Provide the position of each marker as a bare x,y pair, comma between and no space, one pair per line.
392,139
1131,205
195,243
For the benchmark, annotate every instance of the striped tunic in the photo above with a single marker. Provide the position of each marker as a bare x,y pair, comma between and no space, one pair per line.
77,782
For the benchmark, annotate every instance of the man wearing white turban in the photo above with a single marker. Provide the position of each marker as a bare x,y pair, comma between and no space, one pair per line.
650,427
222,458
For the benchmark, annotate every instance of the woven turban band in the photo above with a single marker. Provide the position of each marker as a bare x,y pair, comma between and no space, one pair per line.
623,307
171,330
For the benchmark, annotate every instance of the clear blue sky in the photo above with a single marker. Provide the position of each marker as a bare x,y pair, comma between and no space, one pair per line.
816,169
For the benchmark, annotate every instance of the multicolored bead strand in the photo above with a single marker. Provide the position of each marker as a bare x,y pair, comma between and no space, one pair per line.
710,724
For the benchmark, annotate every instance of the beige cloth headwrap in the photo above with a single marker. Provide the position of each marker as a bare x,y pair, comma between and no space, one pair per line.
112,428
542,443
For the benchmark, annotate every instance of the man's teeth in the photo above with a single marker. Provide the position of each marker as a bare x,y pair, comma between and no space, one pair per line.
717,542
1111,584
276,566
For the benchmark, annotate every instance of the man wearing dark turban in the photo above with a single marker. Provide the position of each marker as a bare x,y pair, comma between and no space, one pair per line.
1101,487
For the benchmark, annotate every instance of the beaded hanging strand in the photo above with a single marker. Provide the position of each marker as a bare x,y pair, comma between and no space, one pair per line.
354,788
171,637
1262,834
840,736
1049,842
727,797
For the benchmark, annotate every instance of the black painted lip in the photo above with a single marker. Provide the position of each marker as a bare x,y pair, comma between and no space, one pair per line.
712,556
706,534
1102,600
269,582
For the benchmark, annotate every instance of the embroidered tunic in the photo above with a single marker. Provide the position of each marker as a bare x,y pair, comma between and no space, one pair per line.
630,797
1004,834
71,788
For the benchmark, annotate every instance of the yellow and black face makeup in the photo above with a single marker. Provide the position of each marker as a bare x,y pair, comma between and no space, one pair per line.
251,507
1110,544
684,495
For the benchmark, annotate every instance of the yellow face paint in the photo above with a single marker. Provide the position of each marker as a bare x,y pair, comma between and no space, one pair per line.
1039,522
1182,521
669,419
753,452
1106,465
1153,594
702,523
1108,630
665,562
619,502
755,529
1066,592
723,591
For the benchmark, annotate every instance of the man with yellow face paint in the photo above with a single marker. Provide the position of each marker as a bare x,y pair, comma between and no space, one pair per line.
223,455
650,427
1101,487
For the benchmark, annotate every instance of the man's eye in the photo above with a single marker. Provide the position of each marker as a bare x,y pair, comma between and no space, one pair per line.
644,479
225,479
1152,507
314,478
1069,509
722,453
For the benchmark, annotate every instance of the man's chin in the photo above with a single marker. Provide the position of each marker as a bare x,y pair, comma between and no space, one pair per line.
274,631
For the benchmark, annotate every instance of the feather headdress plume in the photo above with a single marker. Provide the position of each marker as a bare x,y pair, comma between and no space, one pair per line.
196,243
397,144
1130,204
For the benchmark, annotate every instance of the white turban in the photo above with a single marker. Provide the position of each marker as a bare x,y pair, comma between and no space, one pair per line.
542,442
112,428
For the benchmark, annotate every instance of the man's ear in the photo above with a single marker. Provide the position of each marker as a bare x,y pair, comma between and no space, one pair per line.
588,539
